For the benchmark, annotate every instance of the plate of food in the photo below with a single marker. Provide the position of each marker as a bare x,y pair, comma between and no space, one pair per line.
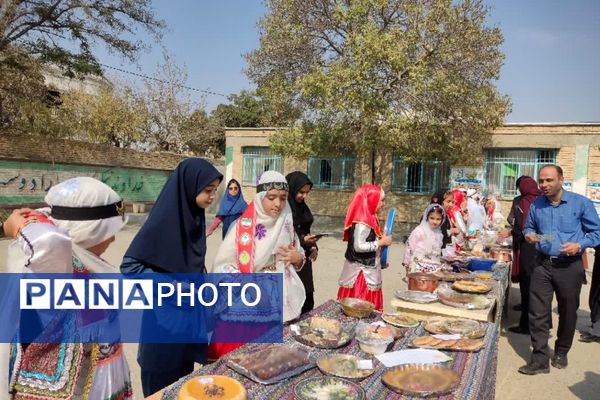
402,321
343,366
328,388
471,287
357,308
272,364
212,387
449,276
463,344
462,326
375,338
416,296
464,300
436,325
321,332
421,379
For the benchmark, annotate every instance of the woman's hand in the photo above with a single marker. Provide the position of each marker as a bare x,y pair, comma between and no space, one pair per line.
16,220
314,252
290,255
310,239
455,231
385,240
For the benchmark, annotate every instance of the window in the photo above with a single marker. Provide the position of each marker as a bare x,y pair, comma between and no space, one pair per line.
418,177
332,173
503,167
257,160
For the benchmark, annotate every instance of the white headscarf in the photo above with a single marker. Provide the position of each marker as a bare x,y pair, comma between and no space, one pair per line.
277,231
75,192
271,234
85,192
432,236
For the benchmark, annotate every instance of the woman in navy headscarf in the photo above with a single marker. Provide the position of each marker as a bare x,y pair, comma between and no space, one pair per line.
232,206
173,240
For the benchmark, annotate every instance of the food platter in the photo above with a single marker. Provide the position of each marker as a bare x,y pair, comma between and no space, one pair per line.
436,325
271,364
454,276
421,379
328,388
471,287
343,366
416,296
464,300
462,326
466,327
430,342
402,321
321,332
357,308
213,387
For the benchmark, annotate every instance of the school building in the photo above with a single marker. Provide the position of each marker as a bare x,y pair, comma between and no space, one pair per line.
517,149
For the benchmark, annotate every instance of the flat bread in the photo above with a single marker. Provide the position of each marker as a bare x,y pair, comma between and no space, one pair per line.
471,287
423,341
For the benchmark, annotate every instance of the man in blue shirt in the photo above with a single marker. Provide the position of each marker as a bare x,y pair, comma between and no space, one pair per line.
562,224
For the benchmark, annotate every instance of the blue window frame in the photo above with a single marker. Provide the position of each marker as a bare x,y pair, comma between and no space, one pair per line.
422,177
332,173
504,166
257,160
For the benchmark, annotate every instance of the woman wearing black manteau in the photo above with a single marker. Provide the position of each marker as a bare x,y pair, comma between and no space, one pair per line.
300,185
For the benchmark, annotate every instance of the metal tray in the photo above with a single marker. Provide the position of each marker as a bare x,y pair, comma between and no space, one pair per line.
330,386
240,369
464,300
334,365
406,378
304,329
402,321
416,296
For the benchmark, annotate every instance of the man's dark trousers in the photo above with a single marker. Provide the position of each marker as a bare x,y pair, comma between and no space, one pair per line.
563,276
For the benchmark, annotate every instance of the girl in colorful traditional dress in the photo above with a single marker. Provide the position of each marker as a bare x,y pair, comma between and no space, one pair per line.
262,240
424,245
69,237
230,209
361,274
173,240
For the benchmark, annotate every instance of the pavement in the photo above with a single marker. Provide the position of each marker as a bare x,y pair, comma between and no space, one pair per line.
581,380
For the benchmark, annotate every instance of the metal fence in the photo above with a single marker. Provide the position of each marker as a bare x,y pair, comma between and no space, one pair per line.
257,160
332,173
503,167
418,177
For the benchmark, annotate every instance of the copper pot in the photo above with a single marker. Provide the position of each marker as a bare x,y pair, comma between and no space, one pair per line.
502,255
423,282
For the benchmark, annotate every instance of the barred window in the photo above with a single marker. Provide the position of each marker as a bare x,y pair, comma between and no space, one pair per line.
332,173
257,160
504,167
418,177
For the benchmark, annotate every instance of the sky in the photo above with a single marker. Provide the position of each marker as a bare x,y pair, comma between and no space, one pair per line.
551,71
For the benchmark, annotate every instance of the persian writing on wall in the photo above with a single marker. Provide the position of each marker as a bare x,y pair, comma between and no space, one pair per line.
28,182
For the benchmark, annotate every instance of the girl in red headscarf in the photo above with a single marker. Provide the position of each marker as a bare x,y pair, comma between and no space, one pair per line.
361,275
456,216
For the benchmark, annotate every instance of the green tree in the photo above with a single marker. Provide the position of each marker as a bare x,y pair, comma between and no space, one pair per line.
62,31
115,116
206,135
246,110
415,76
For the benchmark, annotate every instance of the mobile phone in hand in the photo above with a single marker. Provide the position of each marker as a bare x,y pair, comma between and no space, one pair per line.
322,234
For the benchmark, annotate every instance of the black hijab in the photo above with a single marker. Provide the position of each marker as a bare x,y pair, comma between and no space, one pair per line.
303,218
174,236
